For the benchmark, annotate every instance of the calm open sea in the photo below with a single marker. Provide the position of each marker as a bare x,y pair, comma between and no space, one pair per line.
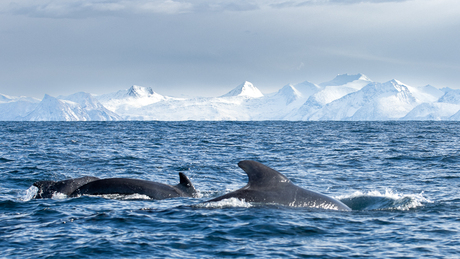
401,179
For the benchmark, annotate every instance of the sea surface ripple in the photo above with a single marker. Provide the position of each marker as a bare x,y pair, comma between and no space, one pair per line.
400,178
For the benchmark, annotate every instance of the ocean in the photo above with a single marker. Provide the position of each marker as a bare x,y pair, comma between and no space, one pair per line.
401,180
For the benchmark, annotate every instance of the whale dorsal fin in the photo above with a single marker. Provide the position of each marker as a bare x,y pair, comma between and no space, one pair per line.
260,175
186,185
184,181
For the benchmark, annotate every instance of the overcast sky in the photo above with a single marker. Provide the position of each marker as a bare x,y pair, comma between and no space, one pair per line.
208,47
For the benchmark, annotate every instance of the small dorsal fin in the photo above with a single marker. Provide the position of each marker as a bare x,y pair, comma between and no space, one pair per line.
261,175
183,180
186,185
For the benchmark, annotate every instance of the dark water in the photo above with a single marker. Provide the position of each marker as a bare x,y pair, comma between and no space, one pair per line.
400,178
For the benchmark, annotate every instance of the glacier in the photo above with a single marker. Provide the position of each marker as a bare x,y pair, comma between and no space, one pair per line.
344,98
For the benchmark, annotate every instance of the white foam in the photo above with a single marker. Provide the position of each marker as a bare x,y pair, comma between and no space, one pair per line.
231,202
30,193
198,195
399,201
134,196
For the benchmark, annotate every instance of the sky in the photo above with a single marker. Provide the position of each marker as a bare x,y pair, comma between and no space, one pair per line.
208,47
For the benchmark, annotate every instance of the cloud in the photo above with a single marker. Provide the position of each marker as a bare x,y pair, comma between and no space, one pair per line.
363,1
299,3
91,8
177,44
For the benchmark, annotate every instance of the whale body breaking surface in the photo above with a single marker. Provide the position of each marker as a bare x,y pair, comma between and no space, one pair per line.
266,185
89,185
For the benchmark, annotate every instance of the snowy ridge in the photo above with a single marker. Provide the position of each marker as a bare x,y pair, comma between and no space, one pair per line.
447,107
387,101
246,89
76,107
346,97
135,96
15,108
94,109
348,80
52,109
5,98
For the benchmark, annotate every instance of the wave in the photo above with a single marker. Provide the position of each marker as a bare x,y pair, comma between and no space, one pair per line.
372,200
390,200
5,160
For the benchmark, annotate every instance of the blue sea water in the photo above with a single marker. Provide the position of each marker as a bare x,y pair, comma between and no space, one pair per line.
400,178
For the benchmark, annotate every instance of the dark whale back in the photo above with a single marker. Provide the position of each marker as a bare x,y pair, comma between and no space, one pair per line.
266,185
46,189
127,186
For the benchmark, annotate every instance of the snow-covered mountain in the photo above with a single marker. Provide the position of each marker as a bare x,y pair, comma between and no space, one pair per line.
346,97
246,89
14,108
375,101
335,89
95,110
231,106
354,81
135,96
76,107
447,107
307,89
53,109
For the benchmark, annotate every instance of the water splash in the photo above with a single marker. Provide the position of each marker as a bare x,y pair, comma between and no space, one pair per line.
29,194
389,200
232,202
115,196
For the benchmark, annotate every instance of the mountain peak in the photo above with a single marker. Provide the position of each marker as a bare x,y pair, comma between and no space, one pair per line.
5,98
289,93
307,88
246,89
49,98
85,100
397,82
139,91
343,79
452,96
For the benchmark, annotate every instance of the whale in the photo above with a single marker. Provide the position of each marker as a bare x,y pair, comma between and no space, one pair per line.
268,186
46,189
127,186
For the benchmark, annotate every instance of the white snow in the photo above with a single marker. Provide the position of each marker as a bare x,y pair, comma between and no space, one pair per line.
445,108
246,89
433,111
346,97
134,97
376,101
76,107
14,108
339,87
353,81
